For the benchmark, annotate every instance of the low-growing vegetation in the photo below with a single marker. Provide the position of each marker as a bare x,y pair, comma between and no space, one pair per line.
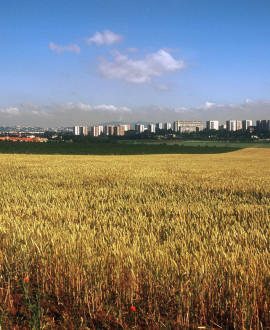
150,241
111,147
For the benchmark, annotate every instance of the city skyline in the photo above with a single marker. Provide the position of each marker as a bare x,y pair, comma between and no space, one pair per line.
89,62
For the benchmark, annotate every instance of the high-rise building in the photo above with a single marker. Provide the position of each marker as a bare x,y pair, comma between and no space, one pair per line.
139,128
246,124
83,130
151,128
119,130
187,126
159,126
76,130
231,125
263,124
109,130
80,130
212,124
96,130
101,129
167,126
239,125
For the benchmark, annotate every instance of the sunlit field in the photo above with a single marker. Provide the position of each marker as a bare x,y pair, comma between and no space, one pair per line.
150,241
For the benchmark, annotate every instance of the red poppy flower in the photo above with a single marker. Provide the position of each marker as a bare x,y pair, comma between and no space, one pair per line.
26,279
133,309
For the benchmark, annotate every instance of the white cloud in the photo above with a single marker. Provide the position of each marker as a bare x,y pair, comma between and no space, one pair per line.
139,71
105,107
68,114
60,49
181,110
62,114
40,113
10,111
111,108
107,38
84,107
209,105
72,106
30,108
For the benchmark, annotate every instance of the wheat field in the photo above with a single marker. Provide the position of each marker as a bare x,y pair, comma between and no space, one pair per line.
152,241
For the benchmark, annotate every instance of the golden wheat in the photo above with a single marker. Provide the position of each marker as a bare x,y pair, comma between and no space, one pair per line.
183,238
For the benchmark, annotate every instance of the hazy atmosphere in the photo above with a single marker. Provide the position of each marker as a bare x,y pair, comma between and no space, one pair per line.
66,63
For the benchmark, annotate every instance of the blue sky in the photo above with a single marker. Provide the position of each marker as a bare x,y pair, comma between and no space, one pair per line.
85,62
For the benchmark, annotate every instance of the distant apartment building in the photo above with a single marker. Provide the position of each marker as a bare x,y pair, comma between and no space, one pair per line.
239,125
127,127
263,124
96,130
231,125
139,128
80,130
83,130
109,130
246,124
167,126
76,130
212,124
151,128
187,126
159,126
234,125
119,130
